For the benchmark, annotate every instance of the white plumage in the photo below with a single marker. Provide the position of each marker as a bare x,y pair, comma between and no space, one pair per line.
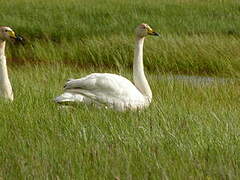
6,33
105,89
111,90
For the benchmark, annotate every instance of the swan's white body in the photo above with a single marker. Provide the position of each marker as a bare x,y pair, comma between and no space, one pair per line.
111,90
103,89
5,85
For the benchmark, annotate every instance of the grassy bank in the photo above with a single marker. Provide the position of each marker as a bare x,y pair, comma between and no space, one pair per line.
189,131
197,37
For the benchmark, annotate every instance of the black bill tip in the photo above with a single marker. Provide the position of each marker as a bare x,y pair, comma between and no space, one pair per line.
19,39
155,34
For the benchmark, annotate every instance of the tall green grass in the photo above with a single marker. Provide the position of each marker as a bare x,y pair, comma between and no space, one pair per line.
189,131
197,37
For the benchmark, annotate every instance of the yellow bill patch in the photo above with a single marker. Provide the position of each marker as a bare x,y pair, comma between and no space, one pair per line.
150,30
12,34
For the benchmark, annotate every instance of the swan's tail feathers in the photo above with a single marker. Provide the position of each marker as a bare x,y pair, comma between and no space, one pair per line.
70,79
68,98
65,85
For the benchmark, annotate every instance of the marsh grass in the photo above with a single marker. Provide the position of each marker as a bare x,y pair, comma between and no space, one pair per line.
190,131
196,37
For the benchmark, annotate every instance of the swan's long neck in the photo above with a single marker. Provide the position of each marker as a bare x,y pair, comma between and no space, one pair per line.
5,85
139,77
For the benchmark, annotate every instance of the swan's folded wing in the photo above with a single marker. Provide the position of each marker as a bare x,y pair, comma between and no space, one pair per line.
103,87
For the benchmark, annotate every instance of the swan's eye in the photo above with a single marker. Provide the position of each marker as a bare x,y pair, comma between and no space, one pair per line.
6,30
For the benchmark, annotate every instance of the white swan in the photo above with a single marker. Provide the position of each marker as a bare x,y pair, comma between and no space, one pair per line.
6,33
111,90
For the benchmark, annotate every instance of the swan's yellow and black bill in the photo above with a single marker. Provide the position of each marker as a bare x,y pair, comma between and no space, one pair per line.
153,33
15,37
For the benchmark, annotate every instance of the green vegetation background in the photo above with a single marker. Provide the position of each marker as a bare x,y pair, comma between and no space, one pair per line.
198,37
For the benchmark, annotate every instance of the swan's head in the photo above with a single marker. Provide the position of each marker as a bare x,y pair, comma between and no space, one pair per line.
6,33
143,30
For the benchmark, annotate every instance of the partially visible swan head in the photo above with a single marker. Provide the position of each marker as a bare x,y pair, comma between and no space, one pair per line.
143,30
6,33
